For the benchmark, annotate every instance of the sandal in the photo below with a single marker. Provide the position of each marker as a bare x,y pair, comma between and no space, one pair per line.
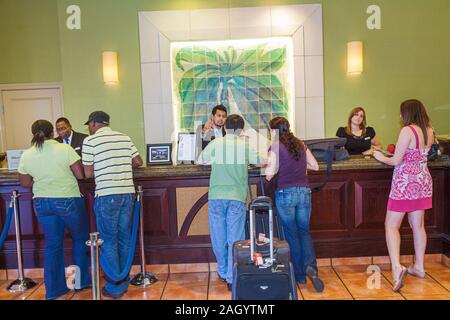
416,273
398,284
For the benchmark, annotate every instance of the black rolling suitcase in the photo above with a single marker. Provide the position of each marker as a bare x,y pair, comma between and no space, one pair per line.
262,219
275,279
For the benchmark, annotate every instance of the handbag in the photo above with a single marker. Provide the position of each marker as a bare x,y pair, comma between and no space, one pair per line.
321,149
433,153
328,149
341,154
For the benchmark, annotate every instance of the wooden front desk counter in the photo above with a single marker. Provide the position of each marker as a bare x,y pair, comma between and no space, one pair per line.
347,217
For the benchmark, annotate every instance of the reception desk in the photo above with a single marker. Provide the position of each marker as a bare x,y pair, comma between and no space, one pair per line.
347,217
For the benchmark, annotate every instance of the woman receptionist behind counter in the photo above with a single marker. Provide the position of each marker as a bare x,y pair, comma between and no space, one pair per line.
360,138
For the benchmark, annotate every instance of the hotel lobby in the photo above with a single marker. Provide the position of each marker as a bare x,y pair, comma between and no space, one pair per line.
159,67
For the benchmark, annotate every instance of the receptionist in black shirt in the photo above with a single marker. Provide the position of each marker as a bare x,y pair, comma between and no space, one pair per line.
360,138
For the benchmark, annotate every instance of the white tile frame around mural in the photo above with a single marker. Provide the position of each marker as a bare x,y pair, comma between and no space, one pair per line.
157,29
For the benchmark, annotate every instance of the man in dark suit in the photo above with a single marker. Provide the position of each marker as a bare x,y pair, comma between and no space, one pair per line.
215,127
68,136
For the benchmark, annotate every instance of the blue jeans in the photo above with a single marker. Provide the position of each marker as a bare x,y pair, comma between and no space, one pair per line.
54,215
294,209
114,214
226,226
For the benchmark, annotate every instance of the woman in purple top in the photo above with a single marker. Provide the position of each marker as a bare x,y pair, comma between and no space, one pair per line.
290,158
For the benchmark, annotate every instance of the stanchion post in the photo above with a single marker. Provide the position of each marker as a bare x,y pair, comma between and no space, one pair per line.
143,278
94,243
21,284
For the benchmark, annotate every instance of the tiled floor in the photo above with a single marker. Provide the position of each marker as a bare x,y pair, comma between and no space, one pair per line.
342,282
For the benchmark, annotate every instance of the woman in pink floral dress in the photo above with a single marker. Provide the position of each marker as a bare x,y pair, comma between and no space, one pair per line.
411,189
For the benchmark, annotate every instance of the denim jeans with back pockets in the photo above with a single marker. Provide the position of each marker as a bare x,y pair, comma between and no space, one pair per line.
54,215
227,225
114,218
294,210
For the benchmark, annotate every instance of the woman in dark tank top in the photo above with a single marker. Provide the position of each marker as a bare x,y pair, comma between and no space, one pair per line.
289,158
360,137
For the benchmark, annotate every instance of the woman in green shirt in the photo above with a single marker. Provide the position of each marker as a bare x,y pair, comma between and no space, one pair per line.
51,169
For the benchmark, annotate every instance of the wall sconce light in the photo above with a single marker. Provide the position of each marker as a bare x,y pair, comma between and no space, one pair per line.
110,67
354,58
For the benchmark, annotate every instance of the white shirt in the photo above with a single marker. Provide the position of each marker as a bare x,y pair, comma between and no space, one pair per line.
217,131
69,139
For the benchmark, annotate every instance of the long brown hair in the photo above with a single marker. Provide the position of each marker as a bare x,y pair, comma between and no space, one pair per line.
413,112
362,126
41,130
294,145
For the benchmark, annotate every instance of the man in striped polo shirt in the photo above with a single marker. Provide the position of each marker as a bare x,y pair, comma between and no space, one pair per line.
109,157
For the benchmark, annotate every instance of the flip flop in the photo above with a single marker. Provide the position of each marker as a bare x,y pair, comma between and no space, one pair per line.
416,273
401,280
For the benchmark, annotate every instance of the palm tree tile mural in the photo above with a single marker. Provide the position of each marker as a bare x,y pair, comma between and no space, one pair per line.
249,77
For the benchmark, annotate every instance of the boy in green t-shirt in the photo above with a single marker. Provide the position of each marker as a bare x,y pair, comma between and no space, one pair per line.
229,157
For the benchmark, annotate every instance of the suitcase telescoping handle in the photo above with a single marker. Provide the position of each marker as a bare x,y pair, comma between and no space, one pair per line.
260,202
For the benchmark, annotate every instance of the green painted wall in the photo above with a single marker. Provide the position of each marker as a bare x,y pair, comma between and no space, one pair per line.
409,57
29,41
105,26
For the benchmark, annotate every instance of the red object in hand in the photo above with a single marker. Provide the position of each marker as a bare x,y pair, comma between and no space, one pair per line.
391,148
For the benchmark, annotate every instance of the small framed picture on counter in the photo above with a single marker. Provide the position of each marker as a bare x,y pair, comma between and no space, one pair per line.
158,154
13,158
187,147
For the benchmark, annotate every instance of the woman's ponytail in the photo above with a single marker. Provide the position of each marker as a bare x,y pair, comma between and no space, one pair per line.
294,145
41,130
